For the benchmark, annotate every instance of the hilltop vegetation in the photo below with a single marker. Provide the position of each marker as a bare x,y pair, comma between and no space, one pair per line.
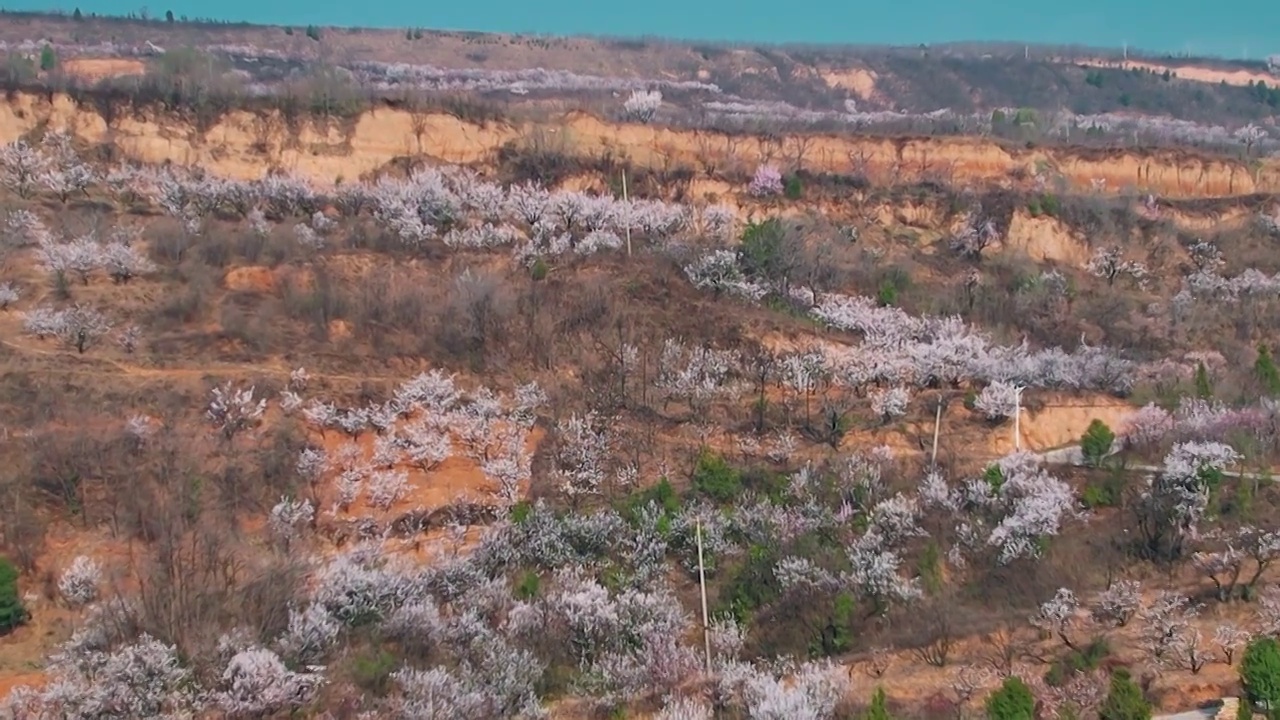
936,436
1024,94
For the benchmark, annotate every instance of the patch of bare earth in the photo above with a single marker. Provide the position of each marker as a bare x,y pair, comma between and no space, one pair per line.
102,68
1197,73
860,82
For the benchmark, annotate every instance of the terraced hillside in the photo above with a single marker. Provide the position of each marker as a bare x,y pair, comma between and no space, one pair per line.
414,411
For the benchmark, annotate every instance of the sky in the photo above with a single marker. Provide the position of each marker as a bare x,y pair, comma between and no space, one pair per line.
1198,27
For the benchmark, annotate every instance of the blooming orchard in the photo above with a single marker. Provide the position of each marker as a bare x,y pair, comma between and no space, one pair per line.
588,584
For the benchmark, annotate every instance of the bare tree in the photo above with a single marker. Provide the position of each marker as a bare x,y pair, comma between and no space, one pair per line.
939,635
761,365
796,149
968,681
1057,616
1005,649
1229,638
707,156
482,307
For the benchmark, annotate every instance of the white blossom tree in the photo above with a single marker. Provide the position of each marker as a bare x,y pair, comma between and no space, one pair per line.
890,403
812,693
21,167
289,517
79,583
123,262
1170,510
1059,616
1230,638
1167,633
232,410
1028,506
64,173
998,400
766,182
310,633
143,678
387,487
1118,603
8,295
972,239
257,683
581,458
1109,263
79,326
642,106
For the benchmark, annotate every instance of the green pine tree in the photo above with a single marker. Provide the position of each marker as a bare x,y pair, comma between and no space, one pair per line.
877,710
48,58
1204,388
1011,701
1265,369
1260,673
1125,700
12,613
1096,442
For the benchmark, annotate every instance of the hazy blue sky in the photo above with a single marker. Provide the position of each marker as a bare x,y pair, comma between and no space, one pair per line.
1197,26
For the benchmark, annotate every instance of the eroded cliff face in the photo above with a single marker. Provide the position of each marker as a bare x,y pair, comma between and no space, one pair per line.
247,145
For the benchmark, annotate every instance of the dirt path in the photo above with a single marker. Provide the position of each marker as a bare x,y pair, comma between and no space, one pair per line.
273,366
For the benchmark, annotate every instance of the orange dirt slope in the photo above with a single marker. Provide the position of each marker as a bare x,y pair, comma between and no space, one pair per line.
246,145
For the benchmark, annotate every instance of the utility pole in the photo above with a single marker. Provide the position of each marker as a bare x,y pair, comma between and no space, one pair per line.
624,199
702,583
937,420
1017,417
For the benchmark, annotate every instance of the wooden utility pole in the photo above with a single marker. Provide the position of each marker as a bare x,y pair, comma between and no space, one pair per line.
702,583
624,199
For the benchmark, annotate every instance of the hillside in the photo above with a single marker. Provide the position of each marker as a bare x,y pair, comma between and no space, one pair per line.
430,406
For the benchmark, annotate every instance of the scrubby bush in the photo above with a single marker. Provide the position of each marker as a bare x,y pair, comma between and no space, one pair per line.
1012,701
12,612
1264,368
1124,700
877,710
714,477
766,182
793,188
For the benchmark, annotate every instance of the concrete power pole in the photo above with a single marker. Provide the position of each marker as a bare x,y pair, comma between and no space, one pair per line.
937,421
1017,418
624,199
702,584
